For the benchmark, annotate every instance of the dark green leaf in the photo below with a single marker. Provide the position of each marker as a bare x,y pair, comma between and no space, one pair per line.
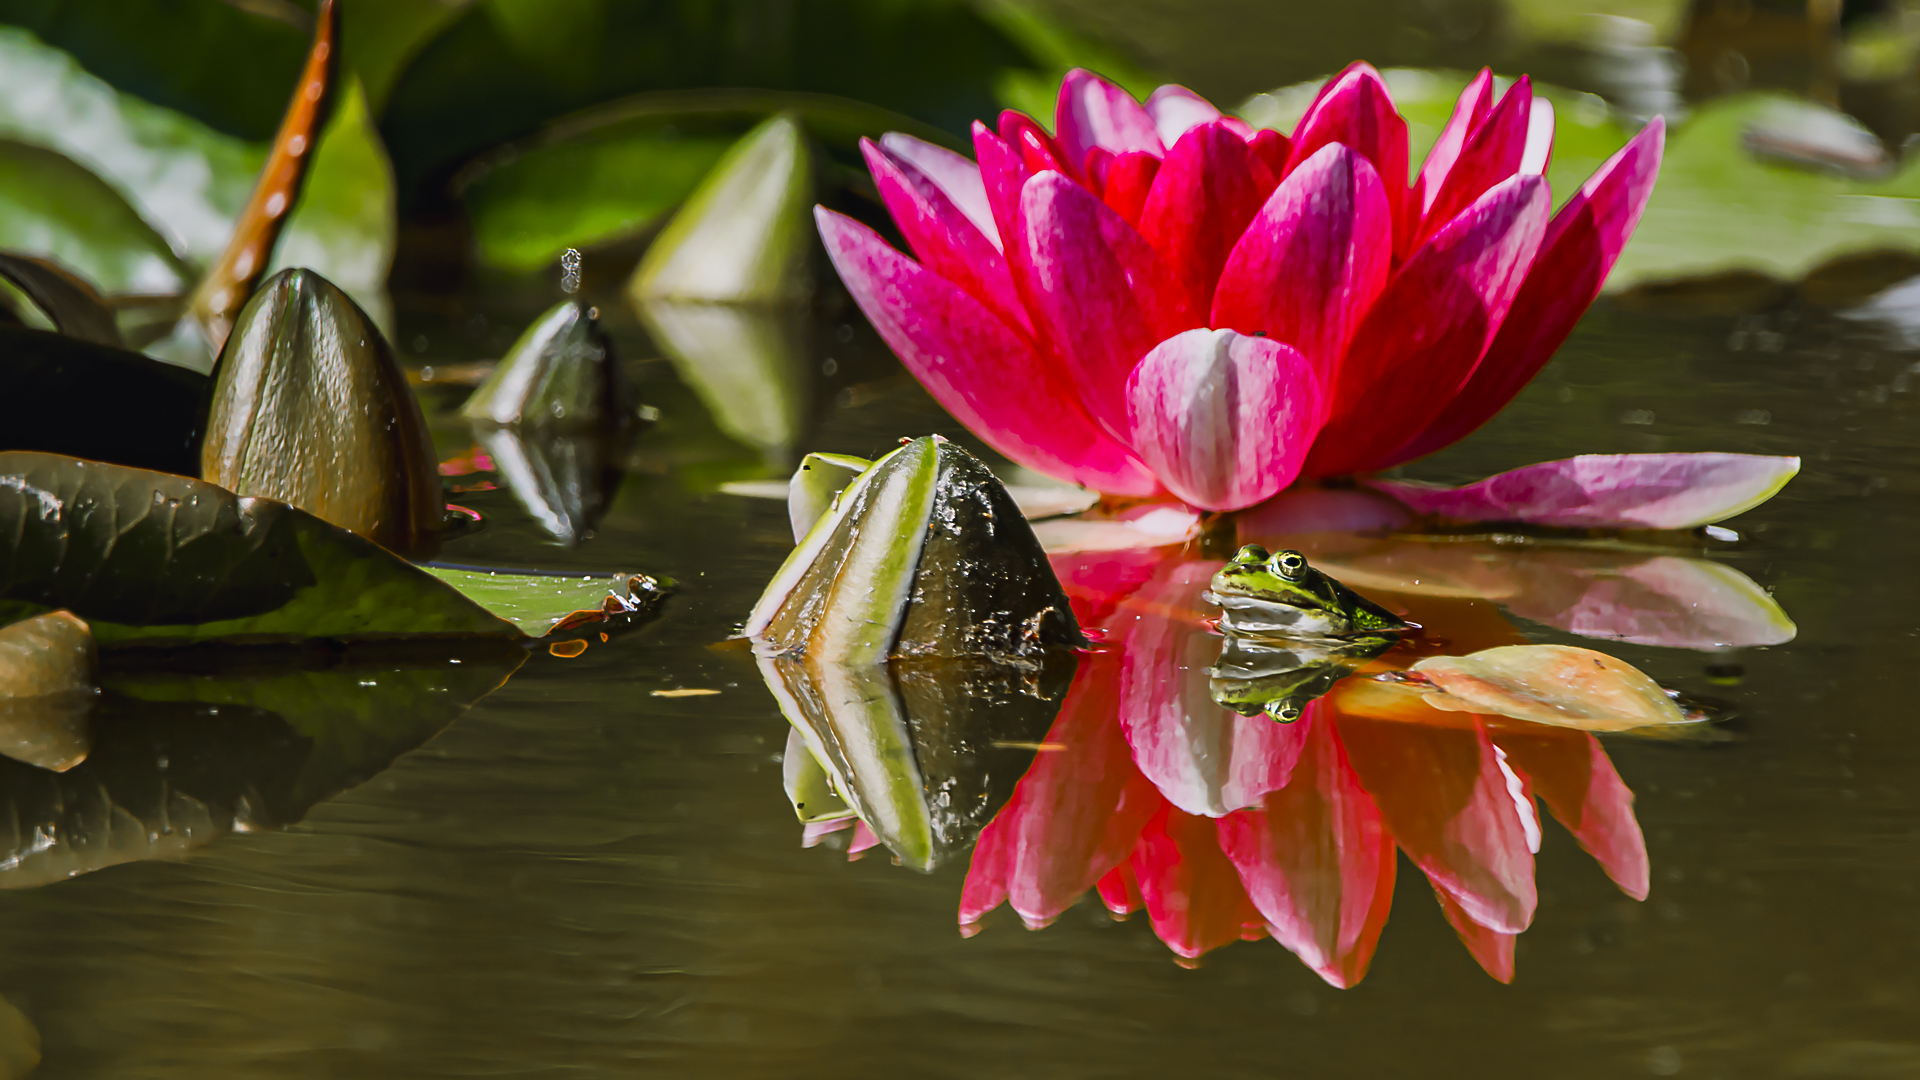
53,207
68,396
72,305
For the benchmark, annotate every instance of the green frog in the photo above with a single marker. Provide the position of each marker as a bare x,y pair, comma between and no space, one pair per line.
1253,677
1280,596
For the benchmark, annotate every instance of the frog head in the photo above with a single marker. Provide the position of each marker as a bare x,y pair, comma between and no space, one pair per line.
1279,595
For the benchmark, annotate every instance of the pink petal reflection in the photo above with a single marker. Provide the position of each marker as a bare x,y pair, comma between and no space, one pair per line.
1193,895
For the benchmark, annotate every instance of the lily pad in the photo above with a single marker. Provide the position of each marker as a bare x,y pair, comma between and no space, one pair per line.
539,602
68,396
153,559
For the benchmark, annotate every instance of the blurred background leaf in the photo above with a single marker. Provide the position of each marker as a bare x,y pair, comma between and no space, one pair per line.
52,206
344,223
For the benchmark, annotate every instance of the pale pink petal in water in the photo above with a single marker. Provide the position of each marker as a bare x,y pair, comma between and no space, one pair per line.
1582,243
1313,261
1094,112
1176,110
1304,509
957,177
1611,491
1224,420
968,359
1316,859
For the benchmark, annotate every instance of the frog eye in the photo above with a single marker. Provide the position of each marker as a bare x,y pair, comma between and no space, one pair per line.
1252,553
1290,565
1286,710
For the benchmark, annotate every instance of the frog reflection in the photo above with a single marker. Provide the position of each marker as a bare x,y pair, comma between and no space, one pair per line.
1252,678
1280,595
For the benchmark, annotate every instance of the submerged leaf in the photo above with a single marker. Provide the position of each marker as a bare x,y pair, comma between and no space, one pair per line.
1549,684
744,236
148,558
67,396
310,409
229,282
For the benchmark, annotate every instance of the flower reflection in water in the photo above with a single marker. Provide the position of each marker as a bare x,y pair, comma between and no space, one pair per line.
1150,789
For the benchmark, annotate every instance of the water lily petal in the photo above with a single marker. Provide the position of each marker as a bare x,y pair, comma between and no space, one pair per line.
1223,420
1539,152
1192,892
1468,113
1177,110
1447,801
1491,949
956,176
1671,602
1129,183
1562,685
1002,175
1037,149
1582,243
1422,338
1208,188
1073,817
1205,758
1273,148
1357,110
975,365
1311,264
1316,859
1093,112
1570,771
1611,491
1492,153
946,240
1099,295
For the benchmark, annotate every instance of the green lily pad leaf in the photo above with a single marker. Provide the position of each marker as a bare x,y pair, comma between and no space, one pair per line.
56,208
540,602
344,224
310,409
744,235
744,362
67,396
153,559
67,301
181,757
187,180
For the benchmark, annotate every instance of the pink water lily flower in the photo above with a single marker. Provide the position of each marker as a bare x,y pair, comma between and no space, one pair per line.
1157,297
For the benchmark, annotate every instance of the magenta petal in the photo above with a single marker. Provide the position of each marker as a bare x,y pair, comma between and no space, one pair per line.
1357,111
1311,263
1492,153
957,177
976,366
1099,295
1002,175
1093,112
1129,182
1539,150
1468,113
1206,759
1208,188
1316,860
1423,337
946,241
1223,420
1611,491
1572,774
1582,242
1177,110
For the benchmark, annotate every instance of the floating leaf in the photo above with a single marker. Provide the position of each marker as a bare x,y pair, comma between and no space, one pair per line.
47,668
1610,491
537,602
70,303
150,559
745,234
230,280
55,207
183,756
743,362
560,373
68,396
1549,684
924,555
309,408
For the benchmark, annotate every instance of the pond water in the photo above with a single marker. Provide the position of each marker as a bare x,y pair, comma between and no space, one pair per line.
582,876
596,869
